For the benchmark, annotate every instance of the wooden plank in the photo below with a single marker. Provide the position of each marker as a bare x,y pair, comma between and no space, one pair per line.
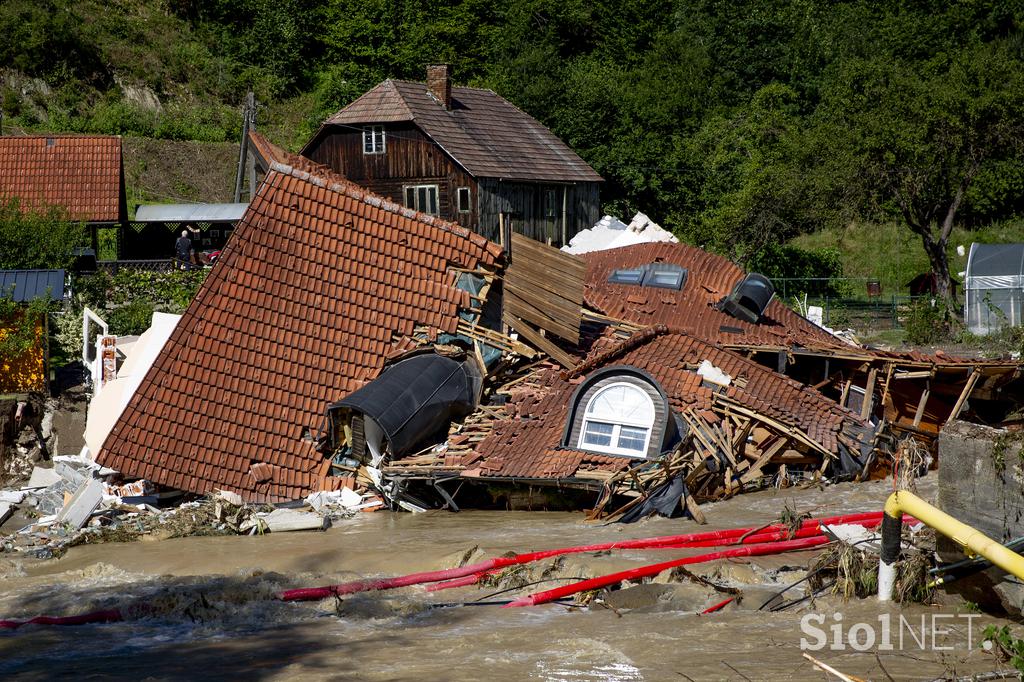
536,315
973,379
555,307
690,505
769,452
920,405
535,338
567,262
869,394
552,279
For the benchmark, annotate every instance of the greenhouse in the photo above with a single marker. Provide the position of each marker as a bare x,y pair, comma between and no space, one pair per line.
994,287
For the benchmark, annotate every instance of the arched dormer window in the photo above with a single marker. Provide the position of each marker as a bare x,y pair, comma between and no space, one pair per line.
618,420
622,411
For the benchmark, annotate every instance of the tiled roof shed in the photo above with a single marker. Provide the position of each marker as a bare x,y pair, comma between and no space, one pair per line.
82,173
526,444
711,277
483,132
303,306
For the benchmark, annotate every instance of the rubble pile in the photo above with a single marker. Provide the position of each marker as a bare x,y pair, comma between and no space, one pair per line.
78,502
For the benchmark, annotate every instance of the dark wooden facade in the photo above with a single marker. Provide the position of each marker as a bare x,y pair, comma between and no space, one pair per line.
548,212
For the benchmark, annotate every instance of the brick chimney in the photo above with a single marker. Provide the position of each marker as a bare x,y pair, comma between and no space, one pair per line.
439,83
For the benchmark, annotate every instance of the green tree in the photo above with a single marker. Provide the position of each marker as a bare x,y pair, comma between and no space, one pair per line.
758,180
43,240
920,134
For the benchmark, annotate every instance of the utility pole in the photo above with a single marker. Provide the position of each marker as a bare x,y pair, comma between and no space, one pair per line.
248,122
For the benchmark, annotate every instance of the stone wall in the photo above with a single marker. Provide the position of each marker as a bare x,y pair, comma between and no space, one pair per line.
981,483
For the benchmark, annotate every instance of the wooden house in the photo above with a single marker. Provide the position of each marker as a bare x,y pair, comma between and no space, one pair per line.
463,154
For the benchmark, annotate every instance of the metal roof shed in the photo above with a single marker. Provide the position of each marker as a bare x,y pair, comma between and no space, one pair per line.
994,287
27,285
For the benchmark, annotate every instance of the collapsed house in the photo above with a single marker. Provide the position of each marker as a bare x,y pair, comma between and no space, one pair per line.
318,285
345,341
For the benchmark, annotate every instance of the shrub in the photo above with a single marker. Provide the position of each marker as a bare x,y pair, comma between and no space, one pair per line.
928,321
131,318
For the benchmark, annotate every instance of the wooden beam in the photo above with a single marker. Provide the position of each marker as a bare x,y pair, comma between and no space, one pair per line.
542,344
971,380
769,452
920,405
869,394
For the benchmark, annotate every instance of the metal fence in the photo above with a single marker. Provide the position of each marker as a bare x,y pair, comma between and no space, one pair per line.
151,265
878,313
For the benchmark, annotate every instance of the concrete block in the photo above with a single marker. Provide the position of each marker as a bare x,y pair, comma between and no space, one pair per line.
81,506
6,509
285,520
981,483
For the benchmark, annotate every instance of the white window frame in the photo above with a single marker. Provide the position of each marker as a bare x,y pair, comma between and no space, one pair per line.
469,199
414,204
617,424
373,140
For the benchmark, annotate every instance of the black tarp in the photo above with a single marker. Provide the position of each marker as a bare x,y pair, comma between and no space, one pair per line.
416,398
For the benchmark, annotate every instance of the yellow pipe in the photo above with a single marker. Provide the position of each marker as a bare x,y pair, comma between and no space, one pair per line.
973,541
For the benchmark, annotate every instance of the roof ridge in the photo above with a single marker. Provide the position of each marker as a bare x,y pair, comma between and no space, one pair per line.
45,136
454,87
636,339
336,183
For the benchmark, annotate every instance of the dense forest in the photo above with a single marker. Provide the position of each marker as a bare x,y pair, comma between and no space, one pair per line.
739,124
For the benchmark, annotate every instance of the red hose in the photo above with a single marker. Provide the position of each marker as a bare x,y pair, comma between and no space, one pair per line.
108,616
704,539
717,607
458,582
654,569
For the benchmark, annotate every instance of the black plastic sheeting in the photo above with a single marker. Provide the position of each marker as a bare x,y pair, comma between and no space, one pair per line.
416,398
665,500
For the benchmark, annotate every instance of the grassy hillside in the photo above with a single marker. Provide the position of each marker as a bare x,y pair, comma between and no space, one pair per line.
893,255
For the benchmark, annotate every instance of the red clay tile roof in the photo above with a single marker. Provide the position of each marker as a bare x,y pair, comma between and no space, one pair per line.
270,154
711,277
82,173
307,300
484,133
525,445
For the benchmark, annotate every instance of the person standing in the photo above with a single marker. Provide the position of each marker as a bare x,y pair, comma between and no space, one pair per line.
183,251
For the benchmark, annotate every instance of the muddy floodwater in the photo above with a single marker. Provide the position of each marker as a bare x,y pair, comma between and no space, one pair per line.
207,609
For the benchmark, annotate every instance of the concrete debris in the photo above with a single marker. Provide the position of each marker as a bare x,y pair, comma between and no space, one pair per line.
42,478
229,497
81,506
6,510
12,496
285,520
713,374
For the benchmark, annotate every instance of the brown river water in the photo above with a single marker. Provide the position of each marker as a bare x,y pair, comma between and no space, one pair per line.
209,614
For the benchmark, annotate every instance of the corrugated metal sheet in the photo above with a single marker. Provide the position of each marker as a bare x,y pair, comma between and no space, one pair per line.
199,213
29,285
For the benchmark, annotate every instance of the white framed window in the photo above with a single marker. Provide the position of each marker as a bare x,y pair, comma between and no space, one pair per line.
373,140
422,198
618,420
465,204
